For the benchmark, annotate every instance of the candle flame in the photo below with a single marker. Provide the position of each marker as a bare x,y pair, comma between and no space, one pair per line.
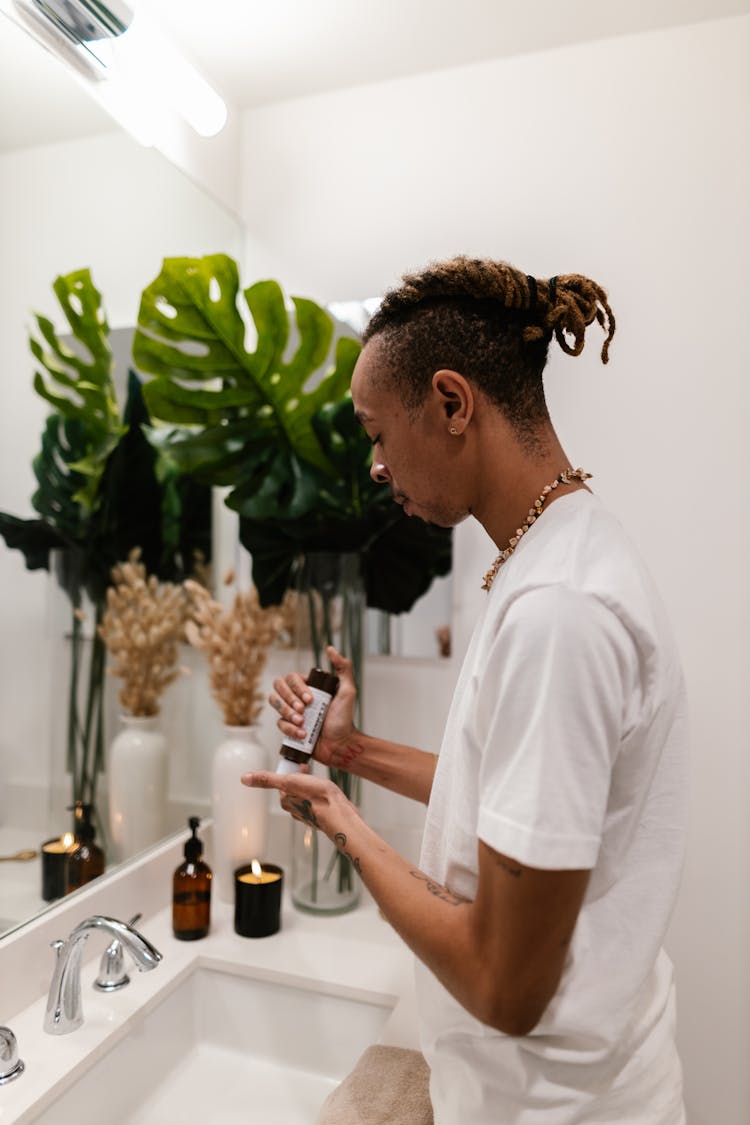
256,869
68,839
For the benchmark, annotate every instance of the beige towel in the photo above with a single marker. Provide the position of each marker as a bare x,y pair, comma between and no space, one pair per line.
388,1086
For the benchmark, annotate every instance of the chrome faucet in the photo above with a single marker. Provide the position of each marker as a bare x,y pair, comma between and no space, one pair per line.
64,1012
112,975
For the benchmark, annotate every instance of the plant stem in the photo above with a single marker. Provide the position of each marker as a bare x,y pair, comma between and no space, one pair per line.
73,729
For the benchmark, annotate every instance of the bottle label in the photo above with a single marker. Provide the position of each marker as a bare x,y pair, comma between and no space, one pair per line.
191,898
314,715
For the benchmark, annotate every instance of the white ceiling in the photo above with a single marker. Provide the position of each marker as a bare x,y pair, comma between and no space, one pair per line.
258,51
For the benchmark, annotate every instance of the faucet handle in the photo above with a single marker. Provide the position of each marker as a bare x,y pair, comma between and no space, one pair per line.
10,1064
112,975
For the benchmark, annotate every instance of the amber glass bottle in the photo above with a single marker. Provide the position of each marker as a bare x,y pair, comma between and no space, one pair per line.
86,860
295,752
191,891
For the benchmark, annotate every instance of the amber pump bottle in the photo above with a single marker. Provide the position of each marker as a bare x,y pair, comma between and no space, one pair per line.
191,891
296,751
86,860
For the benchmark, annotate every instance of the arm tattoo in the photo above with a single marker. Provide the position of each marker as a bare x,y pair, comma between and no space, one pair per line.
305,810
340,841
440,892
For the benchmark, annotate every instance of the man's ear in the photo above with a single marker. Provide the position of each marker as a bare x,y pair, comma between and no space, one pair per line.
455,398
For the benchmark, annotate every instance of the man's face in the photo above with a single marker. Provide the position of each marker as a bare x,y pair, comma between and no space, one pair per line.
411,451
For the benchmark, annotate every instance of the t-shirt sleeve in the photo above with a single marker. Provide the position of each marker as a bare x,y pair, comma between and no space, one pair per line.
550,716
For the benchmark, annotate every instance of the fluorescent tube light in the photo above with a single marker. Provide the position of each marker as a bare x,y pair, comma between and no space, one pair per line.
140,74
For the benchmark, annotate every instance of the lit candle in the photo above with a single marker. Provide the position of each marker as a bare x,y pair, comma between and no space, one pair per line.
256,874
54,865
55,846
257,899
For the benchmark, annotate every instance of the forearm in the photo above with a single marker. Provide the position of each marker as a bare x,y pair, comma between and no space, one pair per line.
402,769
437,925
500,955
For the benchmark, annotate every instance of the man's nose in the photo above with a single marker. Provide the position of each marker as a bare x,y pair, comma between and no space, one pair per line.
379,473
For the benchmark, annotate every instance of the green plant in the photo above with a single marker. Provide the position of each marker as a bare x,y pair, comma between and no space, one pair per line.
271,422
101,491
275,427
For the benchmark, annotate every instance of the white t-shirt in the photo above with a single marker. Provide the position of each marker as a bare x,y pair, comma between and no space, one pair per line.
566,747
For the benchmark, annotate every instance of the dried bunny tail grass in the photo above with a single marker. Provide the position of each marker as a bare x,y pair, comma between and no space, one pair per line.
142,627
235,642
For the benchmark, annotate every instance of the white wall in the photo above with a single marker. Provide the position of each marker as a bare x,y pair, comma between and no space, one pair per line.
106,203
627,160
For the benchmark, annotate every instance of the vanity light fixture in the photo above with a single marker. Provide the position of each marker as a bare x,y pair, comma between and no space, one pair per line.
76,30
140,75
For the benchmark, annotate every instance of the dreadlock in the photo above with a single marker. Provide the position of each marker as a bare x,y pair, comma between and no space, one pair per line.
492,323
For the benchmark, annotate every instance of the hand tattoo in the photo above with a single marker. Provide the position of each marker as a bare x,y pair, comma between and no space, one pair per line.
340,841
305,810
440,892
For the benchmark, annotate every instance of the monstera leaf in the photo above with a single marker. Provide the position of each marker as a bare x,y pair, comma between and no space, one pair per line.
252,408
140,503
64,524
80,389
36,538
399,556
57,498
148,503
276,428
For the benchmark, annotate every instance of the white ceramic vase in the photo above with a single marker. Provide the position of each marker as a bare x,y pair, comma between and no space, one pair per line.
240,815
137,775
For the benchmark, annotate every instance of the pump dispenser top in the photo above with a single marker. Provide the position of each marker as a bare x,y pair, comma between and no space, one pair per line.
194,846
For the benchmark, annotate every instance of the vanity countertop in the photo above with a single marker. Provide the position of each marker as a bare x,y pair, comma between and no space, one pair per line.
357,955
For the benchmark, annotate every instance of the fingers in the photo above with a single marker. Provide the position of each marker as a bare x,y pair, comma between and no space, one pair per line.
291,717
263,779
289,698
292,784
340,664
293,690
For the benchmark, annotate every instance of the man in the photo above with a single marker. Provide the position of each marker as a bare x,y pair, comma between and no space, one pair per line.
556,809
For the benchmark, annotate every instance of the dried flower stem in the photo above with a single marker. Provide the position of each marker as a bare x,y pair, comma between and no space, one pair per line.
142,626
235,642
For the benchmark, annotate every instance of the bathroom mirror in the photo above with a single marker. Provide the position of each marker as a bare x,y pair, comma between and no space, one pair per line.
75,191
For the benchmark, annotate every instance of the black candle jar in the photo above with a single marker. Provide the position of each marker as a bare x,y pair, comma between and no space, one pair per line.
257,900
55,854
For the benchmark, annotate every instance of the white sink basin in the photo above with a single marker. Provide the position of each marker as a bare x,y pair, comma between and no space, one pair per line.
222,1048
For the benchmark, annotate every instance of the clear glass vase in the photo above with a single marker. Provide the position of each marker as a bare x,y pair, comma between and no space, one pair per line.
323,881
330,609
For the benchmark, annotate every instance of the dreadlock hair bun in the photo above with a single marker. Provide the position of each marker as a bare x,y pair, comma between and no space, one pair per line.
492,323
564,305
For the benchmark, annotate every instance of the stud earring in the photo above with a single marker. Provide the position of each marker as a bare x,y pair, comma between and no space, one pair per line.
453,430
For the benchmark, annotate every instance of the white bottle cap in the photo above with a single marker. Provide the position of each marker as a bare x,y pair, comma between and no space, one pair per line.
285,766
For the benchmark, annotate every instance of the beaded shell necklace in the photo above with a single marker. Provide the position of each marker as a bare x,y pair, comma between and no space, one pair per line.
565,477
